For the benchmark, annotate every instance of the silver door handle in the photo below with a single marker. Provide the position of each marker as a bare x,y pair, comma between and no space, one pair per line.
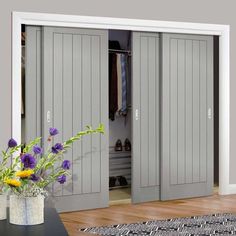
209,113
136,114
48,116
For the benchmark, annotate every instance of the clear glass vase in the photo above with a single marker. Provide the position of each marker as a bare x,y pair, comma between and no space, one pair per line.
3,206
26,210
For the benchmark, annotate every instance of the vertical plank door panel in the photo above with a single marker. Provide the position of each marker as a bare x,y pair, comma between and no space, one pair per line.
187,133
145,125
31,121
75,75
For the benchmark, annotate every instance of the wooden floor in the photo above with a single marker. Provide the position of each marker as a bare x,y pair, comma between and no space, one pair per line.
141,212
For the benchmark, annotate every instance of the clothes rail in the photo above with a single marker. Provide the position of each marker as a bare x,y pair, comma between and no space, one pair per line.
120,51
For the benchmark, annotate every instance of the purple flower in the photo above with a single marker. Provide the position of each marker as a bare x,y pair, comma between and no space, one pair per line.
54,150
61,179
37,149
65,165
53,131
12,143
28,160
34,178
57,147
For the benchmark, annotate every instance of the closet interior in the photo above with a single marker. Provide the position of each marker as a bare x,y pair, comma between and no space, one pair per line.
120,140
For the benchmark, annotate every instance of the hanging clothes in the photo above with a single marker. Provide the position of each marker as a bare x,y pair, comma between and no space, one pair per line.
113,93
121,61
124,74
113,102
119,82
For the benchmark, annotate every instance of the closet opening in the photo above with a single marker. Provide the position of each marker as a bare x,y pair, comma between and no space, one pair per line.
120,117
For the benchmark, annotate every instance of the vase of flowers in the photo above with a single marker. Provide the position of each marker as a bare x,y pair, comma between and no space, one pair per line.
26,210
32,171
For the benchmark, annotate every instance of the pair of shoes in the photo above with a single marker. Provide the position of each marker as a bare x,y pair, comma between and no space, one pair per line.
112,182
122,180
119,147
117,181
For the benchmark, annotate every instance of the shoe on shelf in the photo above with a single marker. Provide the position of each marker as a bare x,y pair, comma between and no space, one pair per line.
127,145
118,146
112,182
122,180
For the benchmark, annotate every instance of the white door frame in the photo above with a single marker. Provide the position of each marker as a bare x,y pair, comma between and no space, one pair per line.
223,31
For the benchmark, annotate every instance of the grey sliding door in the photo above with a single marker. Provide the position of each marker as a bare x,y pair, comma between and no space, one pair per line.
75,94
33,84
146,117
187,120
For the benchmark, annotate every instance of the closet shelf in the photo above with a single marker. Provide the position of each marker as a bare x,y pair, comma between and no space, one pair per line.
118,187
119,152
120,51
120,164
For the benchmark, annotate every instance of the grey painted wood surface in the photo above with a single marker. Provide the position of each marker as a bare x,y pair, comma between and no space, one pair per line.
33,83
187,125
146,117
75,76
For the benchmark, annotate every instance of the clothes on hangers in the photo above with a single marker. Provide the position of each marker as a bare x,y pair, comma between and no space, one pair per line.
124,67
113,104
118,73
119,81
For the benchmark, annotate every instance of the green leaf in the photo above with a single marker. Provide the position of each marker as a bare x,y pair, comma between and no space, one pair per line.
69,141
31,144
4,153
48,165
